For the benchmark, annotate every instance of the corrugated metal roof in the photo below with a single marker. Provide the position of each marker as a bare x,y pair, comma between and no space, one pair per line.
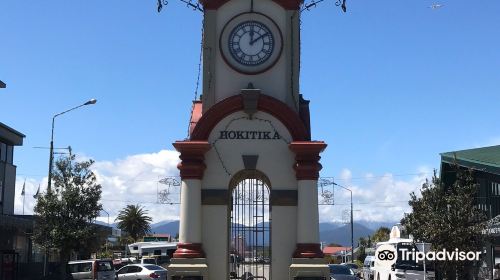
488,156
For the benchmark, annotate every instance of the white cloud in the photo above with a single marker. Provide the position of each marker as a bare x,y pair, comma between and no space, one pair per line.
134,180
346,175
375,198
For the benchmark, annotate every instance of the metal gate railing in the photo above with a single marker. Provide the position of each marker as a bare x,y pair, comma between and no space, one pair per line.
250,232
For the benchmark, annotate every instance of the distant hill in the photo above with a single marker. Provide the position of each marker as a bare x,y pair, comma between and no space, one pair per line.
337,232
342,235
329,226
162,223
171,228
113,225
376,225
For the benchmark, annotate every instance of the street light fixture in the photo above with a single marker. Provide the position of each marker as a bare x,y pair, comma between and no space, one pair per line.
108,227
352,222
51,156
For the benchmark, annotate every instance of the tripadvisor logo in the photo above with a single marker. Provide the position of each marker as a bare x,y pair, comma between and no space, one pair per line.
386,255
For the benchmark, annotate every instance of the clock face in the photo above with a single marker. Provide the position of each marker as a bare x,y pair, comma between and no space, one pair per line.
251,43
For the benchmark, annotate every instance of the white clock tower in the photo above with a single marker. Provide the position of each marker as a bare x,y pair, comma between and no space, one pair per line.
249,199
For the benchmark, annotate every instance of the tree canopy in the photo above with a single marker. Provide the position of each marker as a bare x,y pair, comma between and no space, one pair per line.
447,216
133,219
65,215
381,234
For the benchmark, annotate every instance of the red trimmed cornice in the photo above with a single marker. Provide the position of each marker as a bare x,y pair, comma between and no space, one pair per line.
265,103
286,4
189,251
307,158
308,250
192,157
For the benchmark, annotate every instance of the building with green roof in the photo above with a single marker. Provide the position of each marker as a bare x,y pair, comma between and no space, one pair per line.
485,164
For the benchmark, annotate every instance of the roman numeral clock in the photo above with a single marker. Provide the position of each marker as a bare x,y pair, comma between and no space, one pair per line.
251,43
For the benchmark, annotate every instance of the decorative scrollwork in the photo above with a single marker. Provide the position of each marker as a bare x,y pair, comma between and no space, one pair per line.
326,191
346,216
164,194
313,3
189,3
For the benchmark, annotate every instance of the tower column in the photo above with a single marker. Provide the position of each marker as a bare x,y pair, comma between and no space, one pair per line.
191,168
307,169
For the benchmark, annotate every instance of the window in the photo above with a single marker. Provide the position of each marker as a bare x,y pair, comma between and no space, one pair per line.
105,266
3,152
123,270
495,188
134,269
9,154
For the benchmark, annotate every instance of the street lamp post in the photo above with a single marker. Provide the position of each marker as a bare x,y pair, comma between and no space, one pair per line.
51,156
352,222
108,227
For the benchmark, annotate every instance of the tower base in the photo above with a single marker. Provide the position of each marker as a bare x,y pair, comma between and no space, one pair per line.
188,269
309,269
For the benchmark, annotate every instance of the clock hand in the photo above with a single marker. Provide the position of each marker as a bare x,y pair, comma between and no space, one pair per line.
251,35
258,38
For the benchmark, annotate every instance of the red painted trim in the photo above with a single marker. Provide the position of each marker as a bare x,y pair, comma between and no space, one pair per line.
307,158
286,4
266,103
189,251
196,113
308,250
192,157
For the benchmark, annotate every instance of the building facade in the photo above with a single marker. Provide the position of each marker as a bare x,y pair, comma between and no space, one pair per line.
15,230
485,165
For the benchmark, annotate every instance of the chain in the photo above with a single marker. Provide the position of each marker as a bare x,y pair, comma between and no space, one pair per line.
313,3
200,61
195,6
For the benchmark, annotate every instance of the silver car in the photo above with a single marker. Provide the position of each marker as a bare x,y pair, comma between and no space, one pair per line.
341,272
141,271
91,270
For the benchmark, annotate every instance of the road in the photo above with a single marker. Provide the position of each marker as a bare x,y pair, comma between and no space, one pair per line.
258,270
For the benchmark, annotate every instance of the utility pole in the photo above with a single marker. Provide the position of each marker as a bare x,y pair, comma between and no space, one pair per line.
352,232
352,221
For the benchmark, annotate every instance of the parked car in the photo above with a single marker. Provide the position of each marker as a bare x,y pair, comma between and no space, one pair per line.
121,262
496,272
354,267
91,270
368,267
341,272
142,272
148,260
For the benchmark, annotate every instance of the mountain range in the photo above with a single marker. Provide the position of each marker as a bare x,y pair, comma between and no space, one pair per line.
335,232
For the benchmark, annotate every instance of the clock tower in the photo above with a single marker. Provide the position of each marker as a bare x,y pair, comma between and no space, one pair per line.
249,169
254,42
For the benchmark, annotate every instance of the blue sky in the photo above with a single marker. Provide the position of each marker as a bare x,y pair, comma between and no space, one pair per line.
391,83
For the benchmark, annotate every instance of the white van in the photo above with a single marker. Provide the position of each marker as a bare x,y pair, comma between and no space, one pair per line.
368,266
91,270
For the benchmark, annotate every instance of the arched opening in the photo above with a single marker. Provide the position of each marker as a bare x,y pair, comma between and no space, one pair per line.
250,226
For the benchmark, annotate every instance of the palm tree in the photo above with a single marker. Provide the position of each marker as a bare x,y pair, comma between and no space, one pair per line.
134,220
